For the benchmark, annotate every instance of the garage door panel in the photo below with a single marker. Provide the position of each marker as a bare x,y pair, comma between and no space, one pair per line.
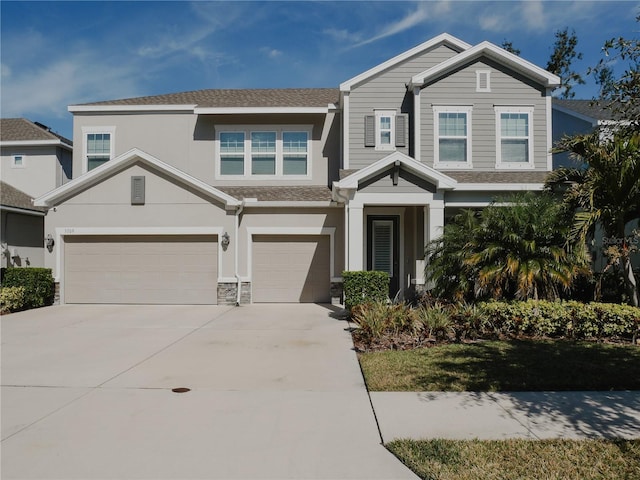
140,269
291,268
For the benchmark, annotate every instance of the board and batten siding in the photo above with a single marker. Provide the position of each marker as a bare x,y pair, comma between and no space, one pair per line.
507,89
386,91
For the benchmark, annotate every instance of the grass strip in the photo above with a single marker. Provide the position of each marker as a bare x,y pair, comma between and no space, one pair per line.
522,459
503,366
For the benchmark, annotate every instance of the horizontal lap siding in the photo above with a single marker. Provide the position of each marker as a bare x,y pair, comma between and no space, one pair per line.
385,91
507,88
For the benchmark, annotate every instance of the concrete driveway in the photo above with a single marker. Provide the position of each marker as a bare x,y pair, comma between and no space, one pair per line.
275,392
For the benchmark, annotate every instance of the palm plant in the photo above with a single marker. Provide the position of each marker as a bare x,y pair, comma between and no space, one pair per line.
515,248
605,190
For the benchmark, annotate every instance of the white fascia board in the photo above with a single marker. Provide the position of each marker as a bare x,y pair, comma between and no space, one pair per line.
258,110
442,181
496,187
442,38
36,143
123,161
490,50
130,108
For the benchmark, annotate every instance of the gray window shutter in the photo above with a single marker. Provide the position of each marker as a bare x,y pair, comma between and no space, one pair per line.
402,130
369,131
137,190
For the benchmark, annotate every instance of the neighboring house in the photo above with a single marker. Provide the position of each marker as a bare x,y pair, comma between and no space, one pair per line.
33,161
574,117
21,229
33,158
181,198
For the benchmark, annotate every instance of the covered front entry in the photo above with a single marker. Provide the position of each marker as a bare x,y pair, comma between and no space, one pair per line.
141,269
291,269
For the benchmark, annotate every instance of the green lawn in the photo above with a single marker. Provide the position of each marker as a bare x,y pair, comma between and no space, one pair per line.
505,366
520,459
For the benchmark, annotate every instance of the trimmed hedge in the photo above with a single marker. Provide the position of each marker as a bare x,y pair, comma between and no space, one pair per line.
563,319
11,299
364,287
37,282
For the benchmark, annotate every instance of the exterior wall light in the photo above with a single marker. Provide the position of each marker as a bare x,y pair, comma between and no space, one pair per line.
224,241
49,243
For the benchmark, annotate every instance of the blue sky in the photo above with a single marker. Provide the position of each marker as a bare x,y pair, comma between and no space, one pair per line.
55,54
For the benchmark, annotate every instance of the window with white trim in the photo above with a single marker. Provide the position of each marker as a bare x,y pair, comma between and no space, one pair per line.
514,144
452,133
18,160
385,130
98,146
264,152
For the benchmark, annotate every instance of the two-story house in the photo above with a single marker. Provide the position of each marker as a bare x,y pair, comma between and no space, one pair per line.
33,161
225,196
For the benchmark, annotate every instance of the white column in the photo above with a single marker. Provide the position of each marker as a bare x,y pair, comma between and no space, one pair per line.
345,131
434,214
417,117
356,238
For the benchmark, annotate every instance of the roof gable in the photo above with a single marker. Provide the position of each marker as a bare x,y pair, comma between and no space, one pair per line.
25,131
14,198
120,163
489,50
439,179
444,38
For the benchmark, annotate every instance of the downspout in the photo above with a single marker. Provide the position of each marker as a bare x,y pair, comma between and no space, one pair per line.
237,246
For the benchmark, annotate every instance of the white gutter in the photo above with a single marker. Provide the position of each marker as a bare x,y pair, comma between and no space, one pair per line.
24,211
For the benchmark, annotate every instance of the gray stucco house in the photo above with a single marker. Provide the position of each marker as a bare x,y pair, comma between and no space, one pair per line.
225,196
33,161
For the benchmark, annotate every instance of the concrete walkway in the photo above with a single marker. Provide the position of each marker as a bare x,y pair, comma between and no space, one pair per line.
497,416
275,392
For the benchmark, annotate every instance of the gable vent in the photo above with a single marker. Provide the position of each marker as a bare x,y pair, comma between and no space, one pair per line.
483,80
137,190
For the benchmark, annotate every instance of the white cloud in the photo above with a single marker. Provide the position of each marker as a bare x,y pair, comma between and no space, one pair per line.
343,35
411,19
272,53
533,15
49,89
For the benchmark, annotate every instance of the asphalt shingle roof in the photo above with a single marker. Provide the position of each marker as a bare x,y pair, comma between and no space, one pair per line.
284,97
12,197
312,193
587,108
531,176
21,129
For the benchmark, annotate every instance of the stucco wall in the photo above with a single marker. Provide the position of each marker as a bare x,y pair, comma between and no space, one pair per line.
39,172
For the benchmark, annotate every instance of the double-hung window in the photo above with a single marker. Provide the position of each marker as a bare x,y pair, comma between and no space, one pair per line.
98,146
385,130
514,144
232,153
263,153
295,153
256,152
452,133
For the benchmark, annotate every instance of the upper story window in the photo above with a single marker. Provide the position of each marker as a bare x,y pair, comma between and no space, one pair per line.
385,130
452,133
514,143
18,160
385,123
261,153
98,146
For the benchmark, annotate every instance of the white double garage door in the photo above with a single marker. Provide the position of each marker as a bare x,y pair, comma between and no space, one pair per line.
183,269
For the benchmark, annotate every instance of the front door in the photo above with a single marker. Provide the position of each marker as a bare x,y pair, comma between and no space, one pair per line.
383,253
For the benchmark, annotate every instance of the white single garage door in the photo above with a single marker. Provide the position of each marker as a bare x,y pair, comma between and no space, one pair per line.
145,269
291,269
